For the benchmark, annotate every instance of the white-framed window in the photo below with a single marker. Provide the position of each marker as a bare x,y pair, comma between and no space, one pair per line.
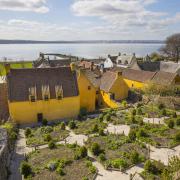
45,92
59,92
32,94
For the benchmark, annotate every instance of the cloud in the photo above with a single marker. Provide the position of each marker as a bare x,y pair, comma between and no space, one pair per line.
38,6
125,14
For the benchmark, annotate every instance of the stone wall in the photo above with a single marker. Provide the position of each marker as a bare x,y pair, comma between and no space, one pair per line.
4,110
4,154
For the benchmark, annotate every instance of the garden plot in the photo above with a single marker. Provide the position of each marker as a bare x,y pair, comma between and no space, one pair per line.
60,163
42,135
116,151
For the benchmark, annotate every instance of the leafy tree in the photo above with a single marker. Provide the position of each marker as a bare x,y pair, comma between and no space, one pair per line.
156,57
25,169
172,47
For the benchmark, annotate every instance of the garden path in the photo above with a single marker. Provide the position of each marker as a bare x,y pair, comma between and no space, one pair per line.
118,129
163,154
18,156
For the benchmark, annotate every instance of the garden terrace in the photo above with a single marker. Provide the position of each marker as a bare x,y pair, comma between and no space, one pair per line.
59,163
158,135
117,151
42,135
88,126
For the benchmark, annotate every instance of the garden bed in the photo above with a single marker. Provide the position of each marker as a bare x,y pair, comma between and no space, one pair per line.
116,151
42,135
59,163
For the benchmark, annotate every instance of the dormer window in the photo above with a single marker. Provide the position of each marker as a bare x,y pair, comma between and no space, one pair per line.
45,93
126,62
32,94
59,92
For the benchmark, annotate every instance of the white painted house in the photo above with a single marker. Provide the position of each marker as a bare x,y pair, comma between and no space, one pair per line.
122,60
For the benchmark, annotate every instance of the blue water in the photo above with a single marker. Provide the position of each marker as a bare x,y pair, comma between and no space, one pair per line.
31,51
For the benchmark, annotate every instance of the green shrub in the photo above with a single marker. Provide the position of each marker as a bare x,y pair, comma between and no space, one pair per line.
60,171
177,137
141,133
132,135
27,132
47,129
72,124
88,163
95,129
163,112
139,111
95,148
83,112
174,115
63,126
124,103
85,178
133,119
178,122
101,116
133,112
44,122
102,157
107,117
161,106
83,152
119,163
25,169
47,137
171,124
101,132
153,167
134,156
92,169
51,145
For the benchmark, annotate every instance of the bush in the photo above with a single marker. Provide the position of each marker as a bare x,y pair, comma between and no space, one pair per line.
83,152
47,137
83,112
178,122
141,133
119,163
51,145
101,132
102,157
72,124
95,128
153,167
124,103
177,137
92,169
44,122
47,129
139,111
101,117
134,157
163,112
107,117
85,178
174,115
132,135
63,126
161,106
25,169
60,171
95,148
171,124
27,132
133,112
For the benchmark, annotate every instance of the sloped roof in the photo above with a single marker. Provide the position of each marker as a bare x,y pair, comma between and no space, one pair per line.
125,59
169,67
149,66
107,80
113,58
164,78
138,75
20,80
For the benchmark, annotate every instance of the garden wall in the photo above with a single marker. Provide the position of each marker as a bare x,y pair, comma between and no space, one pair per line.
4,154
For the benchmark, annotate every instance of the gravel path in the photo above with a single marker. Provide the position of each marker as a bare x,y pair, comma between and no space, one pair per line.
18,156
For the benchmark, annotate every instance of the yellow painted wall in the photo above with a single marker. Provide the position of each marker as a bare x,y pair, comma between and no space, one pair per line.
26,112
87,97
134,84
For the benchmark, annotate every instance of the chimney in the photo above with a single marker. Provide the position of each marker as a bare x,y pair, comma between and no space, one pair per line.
7,68
119,73
119,54
134,54
102,68
92,66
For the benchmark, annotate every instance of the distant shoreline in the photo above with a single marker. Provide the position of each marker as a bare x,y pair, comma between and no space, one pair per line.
83,42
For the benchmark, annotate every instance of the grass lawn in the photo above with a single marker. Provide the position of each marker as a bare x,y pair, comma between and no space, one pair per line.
41,161
160,135
15,65
38,135
118,151
87,127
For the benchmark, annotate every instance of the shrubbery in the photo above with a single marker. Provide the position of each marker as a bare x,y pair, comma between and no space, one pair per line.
63,126
132,135
44,122
72,124
25,169
178,122
95,148
171,124
27,132
47,137
51,145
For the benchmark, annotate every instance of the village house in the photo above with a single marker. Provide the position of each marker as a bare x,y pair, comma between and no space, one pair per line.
122,60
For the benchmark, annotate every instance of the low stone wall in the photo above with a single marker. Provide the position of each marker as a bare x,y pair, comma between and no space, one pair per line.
4,154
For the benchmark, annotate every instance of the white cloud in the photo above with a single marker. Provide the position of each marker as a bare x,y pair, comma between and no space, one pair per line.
125,14
38,6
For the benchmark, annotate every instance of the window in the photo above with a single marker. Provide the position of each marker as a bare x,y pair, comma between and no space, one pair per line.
32,94
59,92
112,96
45,92
89,87
97,92
39,117
132,85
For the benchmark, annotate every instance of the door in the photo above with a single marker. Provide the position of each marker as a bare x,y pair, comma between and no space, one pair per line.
40,117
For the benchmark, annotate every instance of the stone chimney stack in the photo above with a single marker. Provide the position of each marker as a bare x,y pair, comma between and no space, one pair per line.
7,68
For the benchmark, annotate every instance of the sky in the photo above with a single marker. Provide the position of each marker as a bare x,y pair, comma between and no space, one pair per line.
89,19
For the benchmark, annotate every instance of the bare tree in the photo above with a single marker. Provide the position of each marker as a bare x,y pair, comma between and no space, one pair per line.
172,47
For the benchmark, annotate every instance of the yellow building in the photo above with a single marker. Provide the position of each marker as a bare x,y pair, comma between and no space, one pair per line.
42,93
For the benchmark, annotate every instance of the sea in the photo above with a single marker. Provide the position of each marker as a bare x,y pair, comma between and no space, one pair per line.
27,52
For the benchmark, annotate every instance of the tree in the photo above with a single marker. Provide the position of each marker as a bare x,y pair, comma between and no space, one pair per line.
172,47
25,169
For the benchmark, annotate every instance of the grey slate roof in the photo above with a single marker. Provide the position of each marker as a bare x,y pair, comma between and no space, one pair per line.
20,80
